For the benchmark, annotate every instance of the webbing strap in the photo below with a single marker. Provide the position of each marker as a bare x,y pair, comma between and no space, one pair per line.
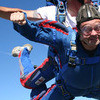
73,61
89,60
61,11
71,38
65,92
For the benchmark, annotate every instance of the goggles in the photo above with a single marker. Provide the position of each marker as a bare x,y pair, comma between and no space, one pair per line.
87,29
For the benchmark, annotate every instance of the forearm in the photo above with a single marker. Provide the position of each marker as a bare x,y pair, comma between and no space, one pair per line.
25,30
33,32
5,12
44,31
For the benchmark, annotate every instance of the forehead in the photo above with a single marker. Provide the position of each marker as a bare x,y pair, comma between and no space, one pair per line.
91,22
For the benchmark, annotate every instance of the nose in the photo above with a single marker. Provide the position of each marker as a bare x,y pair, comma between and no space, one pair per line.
94,32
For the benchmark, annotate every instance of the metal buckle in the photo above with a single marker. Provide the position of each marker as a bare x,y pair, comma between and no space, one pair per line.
82,61
64,92
71,62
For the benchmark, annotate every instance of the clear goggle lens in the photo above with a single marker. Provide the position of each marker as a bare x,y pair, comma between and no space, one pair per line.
87,29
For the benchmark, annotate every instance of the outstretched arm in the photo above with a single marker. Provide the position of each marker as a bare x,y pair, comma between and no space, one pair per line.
44,31
5,12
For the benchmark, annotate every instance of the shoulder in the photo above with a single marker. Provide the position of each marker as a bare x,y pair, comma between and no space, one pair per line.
54,25
47,8
47,12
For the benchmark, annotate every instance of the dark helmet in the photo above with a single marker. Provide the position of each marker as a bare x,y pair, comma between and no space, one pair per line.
87,12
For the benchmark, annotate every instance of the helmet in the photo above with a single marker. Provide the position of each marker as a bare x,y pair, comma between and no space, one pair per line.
87,12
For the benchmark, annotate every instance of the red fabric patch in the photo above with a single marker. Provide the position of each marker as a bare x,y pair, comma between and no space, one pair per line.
48,25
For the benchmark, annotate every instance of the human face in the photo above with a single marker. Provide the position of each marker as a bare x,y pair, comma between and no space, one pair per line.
90,32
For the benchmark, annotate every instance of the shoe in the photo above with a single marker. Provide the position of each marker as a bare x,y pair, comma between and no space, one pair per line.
28,46
35,66
16,50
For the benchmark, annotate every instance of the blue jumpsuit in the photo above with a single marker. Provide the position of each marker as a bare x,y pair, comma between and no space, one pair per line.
81,78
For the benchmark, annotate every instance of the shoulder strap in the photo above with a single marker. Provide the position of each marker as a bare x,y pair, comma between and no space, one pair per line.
61,9
88,60
61,12
71,45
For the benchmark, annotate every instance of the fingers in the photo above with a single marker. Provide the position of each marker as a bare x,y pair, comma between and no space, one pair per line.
18,17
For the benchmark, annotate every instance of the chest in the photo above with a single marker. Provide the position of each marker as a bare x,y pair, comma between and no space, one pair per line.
79,56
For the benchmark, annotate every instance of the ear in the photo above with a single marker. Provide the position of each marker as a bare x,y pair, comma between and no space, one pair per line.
81,36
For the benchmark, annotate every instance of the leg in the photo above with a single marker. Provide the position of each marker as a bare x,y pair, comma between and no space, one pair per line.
24,61
38,92
54,93
26,68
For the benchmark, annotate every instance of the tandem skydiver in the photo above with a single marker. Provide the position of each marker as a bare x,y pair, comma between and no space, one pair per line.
78,55
71,22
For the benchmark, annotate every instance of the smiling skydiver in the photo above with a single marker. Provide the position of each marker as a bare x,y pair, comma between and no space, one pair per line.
72,23
79,58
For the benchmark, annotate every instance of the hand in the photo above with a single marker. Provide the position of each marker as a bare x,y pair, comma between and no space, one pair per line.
18,17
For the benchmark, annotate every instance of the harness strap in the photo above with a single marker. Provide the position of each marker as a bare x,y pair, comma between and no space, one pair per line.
61,11
89,60
72,38
62,88
73,43
73,61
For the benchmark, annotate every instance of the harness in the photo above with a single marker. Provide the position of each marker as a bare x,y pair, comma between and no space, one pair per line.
72,50
61,8
73,60
61,12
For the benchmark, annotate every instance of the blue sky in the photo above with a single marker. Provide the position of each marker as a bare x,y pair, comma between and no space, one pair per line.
10,86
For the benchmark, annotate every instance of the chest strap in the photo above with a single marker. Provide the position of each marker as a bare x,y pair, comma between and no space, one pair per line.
73,61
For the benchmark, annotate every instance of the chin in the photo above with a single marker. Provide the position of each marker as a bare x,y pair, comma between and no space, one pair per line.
93,44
